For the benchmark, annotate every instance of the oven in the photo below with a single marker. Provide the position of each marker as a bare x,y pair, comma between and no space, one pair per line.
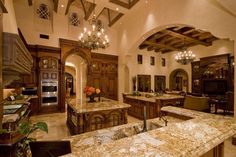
49,87
49,95
48,100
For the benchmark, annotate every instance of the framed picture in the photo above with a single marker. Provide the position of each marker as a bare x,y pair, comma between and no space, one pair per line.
140,59
163,62
152,60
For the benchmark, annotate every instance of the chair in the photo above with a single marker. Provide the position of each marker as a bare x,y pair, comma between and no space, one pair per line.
196,103
49,148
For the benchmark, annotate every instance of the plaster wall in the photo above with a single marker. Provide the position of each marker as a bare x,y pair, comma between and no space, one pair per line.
9,19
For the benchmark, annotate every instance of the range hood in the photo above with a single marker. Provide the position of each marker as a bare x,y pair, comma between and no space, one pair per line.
16,58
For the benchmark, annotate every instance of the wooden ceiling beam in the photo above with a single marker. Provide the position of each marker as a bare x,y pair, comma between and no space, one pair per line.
189,31
150,48
132,3
120,3
115,19
84,9
89,11
186,37
157,36
55,5
68,6
142,46
30,2
2,6
152,43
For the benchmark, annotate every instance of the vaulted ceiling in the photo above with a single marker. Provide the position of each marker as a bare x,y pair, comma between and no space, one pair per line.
177,38
113,10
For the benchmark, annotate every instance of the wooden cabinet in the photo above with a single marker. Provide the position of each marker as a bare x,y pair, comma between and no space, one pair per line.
34,106
48,63
196,77
103,74
212,69
85,122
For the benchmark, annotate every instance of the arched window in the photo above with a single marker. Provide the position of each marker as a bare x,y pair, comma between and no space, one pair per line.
74,19
43,11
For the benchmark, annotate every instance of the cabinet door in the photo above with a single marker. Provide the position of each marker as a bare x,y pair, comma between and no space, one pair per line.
45,75
111,87
53,75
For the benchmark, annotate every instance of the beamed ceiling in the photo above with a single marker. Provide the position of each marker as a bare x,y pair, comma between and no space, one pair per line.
88,7
176,38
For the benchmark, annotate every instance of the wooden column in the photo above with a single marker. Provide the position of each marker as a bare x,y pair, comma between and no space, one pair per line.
1,89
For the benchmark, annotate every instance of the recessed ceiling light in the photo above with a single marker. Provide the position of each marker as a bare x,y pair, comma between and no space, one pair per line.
146,1
62,6
117,9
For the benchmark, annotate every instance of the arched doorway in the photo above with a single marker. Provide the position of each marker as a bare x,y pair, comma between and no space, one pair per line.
179,80
85,59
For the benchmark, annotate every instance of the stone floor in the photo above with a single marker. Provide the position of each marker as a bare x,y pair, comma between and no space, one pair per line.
57,129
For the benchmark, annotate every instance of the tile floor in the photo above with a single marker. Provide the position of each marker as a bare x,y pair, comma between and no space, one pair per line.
57,130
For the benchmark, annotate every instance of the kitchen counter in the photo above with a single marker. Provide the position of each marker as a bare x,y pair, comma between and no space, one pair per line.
193,137
83,116
105,104
153,104
154,98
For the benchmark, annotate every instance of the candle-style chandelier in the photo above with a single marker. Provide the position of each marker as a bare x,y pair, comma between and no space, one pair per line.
185,56
94,37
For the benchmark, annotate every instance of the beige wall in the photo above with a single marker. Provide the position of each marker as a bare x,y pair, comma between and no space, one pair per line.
9,19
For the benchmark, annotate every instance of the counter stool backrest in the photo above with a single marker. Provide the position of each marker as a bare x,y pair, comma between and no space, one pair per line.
49,148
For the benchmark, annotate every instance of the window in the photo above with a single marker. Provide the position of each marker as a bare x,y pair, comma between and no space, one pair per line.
43,11
152,60
163,62
140,59
74,19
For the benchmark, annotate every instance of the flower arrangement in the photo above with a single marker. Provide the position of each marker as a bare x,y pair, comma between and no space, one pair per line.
91,90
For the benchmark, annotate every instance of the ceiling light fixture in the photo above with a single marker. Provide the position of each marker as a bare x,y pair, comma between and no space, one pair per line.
94,37
62,6
185,56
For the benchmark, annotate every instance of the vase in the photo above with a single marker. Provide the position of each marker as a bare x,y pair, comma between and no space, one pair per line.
91,99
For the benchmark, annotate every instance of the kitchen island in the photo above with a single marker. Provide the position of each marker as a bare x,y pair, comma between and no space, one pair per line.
153,104
201,134
83,116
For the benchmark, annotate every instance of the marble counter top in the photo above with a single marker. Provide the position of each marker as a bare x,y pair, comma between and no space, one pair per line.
154,98
105,104
190,138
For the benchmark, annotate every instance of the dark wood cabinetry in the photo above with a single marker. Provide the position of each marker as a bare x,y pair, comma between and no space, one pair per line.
103,74
196,77
214,71
160,83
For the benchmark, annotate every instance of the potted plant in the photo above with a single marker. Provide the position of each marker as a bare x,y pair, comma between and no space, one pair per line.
27,128
134,79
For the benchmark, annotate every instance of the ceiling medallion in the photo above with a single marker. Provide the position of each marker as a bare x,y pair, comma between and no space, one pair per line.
94,37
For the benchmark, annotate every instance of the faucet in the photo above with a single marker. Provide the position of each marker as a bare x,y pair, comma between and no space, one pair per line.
162,117
144,119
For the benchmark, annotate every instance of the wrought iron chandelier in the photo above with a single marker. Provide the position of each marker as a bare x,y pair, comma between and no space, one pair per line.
94,37
184,57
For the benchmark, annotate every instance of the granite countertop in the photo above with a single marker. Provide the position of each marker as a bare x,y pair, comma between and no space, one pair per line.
154,98
192,137
104,104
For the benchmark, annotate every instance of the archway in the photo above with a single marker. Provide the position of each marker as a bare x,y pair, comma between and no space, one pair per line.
178,80
85,55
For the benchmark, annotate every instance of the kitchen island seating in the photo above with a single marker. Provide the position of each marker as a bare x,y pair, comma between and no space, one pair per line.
196,103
